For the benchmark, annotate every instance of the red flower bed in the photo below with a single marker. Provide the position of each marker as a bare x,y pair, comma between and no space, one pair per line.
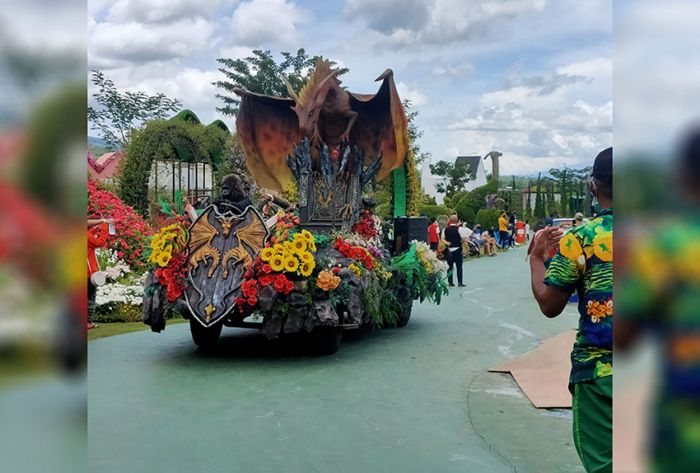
132,231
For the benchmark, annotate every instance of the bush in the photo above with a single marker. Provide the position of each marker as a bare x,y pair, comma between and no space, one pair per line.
488,218
431,211
132,231
118,312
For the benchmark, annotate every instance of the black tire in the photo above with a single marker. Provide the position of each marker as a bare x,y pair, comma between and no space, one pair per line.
327,340
205,337
405,315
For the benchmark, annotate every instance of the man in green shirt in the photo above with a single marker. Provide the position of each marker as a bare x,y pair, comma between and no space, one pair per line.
583,263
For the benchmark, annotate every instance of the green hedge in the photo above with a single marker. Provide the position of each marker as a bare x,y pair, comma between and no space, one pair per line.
488,218
431,211
118,312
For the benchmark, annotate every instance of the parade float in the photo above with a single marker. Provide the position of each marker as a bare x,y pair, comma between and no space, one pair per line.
319,267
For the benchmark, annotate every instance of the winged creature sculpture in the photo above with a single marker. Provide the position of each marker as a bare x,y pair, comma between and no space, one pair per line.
269,127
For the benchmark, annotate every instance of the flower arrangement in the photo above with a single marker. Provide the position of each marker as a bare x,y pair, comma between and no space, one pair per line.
429,259
365,226
132,231
327,281
167,255
358,253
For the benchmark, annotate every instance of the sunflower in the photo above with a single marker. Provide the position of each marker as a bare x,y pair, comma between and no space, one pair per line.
291,264
163,260
306,235
278,248
312,246
277,262
306,257
307,268
288,247
266,254
299,245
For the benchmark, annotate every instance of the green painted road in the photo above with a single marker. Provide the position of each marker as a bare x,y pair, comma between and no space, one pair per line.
416,399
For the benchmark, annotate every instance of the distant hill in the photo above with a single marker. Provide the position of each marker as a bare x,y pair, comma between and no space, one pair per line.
97,146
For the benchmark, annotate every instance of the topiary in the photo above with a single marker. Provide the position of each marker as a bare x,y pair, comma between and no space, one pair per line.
488,218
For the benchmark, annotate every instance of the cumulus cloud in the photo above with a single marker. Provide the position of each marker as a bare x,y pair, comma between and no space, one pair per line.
139,42
436,21
453,70
415,96
159,11
258,22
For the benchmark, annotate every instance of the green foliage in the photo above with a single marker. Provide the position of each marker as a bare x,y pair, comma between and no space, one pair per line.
414,134
118,312
488,218
539,211
119,113
158,140
260,73
454,177
435,210
413,193
380,302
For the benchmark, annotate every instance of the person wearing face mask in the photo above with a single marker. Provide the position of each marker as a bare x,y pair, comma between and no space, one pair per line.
582,261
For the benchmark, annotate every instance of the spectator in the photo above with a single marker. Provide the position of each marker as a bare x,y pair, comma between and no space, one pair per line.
527,230
503,230
489,244
583,263
578,220
453,252
433,234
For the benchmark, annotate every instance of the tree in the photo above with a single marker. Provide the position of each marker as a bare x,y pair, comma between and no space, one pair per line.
454,177
260,73
528,206
118,113
539,201
414,134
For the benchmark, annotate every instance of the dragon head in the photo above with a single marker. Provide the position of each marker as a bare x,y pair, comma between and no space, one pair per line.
309,101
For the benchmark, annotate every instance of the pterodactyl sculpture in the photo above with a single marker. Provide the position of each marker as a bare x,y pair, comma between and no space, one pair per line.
269,127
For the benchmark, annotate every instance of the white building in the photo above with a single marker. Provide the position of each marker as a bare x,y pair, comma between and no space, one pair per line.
474,163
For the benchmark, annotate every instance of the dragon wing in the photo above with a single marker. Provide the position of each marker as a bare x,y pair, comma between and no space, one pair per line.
381,125
267,129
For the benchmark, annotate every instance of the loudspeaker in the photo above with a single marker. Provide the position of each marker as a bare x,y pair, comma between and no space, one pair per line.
407,229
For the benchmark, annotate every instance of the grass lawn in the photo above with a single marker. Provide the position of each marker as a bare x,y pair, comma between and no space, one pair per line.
118,328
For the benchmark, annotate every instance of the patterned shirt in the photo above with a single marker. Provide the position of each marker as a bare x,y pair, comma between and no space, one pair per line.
583,263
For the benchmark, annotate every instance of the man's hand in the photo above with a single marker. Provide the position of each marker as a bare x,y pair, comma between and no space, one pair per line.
545,242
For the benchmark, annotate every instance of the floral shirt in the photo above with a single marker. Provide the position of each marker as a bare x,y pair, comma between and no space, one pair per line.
584,264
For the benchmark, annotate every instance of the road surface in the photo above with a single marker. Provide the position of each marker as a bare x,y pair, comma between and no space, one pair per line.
416,399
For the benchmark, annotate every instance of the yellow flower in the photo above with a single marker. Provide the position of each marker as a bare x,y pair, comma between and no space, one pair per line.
279,249
266,254
312,246
355,269
307,268
306,257
277,263
288,247
306,235
163,260
299,245
291,264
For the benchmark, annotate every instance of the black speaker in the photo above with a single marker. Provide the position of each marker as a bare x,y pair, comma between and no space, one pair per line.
407,229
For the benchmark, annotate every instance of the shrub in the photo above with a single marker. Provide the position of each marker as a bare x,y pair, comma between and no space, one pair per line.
435,210
488,218
132,231
118,312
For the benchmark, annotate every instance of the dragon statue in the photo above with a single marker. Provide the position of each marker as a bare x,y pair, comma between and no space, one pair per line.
270,127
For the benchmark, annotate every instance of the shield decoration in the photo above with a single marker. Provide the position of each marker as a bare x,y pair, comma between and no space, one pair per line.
220,243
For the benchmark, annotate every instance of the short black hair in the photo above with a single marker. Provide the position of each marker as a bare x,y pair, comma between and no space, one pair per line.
433,220
602,172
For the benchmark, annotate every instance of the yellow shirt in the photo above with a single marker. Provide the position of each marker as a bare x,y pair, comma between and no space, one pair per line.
502,224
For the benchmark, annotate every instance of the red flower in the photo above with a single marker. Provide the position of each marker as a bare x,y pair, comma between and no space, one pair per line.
267,268
288,287
280,283
266,280
252,301
335,270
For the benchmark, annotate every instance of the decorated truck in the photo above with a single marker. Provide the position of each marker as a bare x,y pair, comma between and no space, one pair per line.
319,267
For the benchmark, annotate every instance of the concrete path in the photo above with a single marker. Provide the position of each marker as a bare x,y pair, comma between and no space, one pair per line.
416,399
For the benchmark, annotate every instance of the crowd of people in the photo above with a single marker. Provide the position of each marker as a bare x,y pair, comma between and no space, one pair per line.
456,239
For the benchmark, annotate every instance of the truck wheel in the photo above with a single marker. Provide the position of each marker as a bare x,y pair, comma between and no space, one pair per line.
405,315
327,339
205,337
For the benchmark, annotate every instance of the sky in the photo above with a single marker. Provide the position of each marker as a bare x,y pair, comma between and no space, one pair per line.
529,78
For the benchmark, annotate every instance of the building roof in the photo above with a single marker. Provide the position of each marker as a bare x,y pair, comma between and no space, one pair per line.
472,162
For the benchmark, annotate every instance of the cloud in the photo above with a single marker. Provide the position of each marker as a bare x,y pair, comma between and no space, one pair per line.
416,97
453,70
437,21
389,16
259,22
111,43
159,11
